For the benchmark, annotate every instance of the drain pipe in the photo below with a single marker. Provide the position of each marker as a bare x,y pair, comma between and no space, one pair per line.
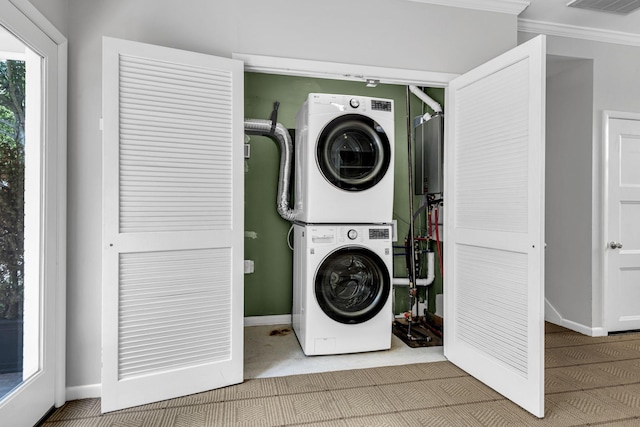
433,104
412,247
280,134
437,110
431,275
412,281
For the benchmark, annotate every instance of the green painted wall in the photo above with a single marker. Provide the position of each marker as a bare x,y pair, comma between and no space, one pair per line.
268,291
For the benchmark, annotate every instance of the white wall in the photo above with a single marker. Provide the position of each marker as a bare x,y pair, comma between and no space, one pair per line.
56,12
569,124
390,33
615,87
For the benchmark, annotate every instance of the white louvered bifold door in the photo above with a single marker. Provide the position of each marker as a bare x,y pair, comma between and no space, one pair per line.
494,225
172,316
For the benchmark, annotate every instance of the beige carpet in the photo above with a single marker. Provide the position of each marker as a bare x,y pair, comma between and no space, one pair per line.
589,381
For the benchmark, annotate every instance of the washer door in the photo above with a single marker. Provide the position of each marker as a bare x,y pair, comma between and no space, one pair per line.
353,152
352,285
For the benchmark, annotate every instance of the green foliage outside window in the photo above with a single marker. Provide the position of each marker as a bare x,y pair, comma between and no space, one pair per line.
12,161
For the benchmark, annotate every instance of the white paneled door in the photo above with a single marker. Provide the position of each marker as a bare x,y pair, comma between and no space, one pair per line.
622,289
173,221
494,261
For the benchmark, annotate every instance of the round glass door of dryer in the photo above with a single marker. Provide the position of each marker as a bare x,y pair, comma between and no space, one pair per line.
353,152
352,285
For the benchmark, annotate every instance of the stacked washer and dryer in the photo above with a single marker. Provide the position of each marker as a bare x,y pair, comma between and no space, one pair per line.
342,273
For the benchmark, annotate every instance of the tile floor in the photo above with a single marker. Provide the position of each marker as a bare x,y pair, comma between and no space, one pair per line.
267,355
588,381
280,355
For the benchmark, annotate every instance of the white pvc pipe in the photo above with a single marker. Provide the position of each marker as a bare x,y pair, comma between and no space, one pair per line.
404,281
431,272
426,99
431,275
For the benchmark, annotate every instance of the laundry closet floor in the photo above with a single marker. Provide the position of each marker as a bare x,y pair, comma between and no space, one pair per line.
273,351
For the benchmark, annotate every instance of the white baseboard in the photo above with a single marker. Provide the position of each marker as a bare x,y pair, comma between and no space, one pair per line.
552,315
282,319
578,327
587,330
95,390
83,392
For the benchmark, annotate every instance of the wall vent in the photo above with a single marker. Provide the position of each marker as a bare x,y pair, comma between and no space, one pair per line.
620,7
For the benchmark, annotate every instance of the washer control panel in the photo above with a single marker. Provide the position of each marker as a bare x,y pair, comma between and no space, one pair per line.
323,235
362,234
379,233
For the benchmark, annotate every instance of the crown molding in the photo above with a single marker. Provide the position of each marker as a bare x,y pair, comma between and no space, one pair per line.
513,7
576,32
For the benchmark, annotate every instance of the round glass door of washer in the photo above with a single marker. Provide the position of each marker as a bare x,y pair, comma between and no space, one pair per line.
352,285
353,152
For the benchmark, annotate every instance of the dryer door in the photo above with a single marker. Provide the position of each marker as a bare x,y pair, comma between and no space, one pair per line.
353,152
352,285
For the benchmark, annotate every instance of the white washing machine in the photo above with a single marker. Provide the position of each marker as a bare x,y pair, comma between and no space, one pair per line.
344,159
342,288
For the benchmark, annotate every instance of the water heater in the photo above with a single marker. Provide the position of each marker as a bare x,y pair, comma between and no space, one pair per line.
429,151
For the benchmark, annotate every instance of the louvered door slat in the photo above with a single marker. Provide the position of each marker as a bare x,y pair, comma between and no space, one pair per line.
210,119
493,291
492,155
180,294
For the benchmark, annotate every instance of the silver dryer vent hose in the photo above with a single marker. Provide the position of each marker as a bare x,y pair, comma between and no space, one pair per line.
281,136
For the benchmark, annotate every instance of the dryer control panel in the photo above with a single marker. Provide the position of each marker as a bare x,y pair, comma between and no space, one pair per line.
381,105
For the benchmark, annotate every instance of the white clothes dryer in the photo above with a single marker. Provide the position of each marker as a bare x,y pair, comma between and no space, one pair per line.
342,288
344,159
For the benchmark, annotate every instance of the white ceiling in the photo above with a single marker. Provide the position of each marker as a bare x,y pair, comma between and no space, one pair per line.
557,12
554,17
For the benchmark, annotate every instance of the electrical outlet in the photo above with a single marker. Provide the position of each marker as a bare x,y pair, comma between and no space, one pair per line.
249,266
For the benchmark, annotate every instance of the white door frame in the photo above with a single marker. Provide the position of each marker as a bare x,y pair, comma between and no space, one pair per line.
339,71
607,116
33,28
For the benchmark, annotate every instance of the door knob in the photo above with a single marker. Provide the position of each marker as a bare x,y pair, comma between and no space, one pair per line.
615,245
